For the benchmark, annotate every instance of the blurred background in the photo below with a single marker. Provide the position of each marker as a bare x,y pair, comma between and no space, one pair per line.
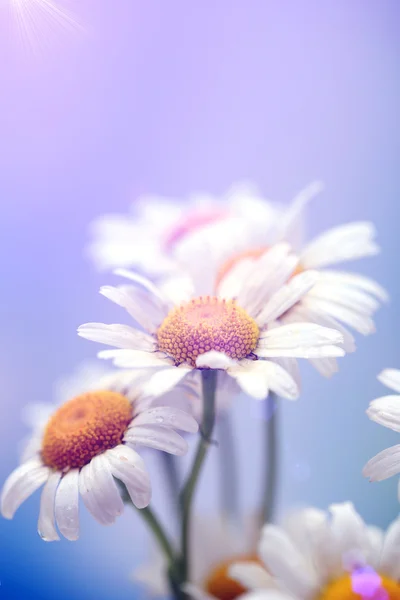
131,97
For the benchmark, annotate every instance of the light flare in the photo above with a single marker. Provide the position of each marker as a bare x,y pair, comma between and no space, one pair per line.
38,21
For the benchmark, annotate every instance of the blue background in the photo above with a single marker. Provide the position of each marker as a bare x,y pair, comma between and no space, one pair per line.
171,97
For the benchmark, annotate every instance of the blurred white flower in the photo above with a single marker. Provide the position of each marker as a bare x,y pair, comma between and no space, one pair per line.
321,556
386,412
86,443
216,543
235,331
159,231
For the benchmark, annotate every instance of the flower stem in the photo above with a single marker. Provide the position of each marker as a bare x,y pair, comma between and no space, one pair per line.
173,570
172,477
227,469
159,533
209,384
271,457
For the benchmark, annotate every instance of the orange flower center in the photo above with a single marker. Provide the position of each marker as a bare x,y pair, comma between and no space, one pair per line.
236,258
220,585
84,427
362,586
204,324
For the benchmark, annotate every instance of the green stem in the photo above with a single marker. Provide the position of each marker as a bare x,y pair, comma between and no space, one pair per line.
209,383
172,477
159,533
227,469
271,458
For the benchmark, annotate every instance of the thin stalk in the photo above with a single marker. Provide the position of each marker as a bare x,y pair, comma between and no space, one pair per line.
227,469
271,459
172,477
209,384
159,533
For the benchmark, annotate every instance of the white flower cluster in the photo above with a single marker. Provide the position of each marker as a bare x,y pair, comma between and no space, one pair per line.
223,296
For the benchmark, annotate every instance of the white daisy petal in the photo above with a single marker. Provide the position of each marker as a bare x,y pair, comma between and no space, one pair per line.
339,244
325,366
67,505
269,272
128,467
120,336
342,278
87,490
287,296
390,558
268,595
386,412
280,381
373,551
300,340
135,359
360,322
232,283
144,282
252,379
109,501
167,416
137,303
46,524
346,296
390,378
285,562
215,360
292,214
22,482
157,437
310,532
350,533
164,380
291,366
252,576
178,289
304,314
383,465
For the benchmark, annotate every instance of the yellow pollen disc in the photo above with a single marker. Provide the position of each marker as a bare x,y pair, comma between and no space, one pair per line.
220,585
204,324
349,588
236,258
84,427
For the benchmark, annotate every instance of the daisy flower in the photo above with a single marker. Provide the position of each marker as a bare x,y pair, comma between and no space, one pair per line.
153,237
339,300
386,412
236,330
215,545
317,556
86,443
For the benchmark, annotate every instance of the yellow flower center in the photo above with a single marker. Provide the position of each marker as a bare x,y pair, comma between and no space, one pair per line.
204,324
367,586
236,258
84,427
220,585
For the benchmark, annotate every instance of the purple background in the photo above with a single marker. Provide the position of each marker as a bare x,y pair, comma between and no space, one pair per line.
171,97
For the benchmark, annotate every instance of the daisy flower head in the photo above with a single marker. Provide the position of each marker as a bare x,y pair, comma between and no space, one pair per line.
237,330
87,443
156,236
322,555
216,544
386,412
339,299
